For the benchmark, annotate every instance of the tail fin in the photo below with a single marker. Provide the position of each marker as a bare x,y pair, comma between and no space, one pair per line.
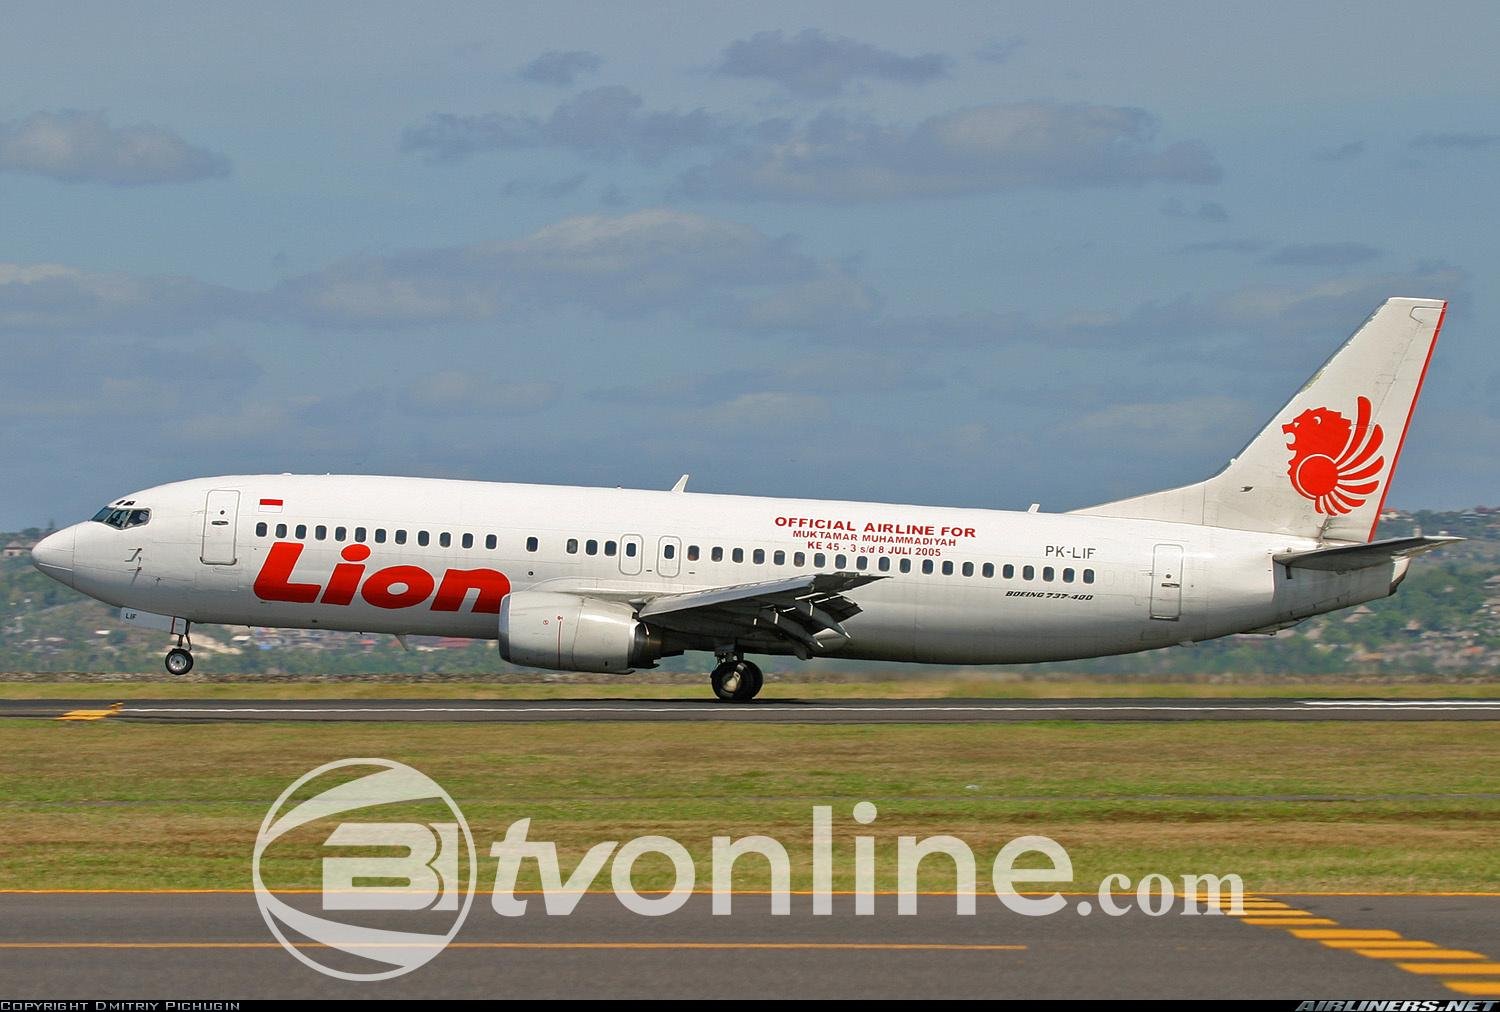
1323,465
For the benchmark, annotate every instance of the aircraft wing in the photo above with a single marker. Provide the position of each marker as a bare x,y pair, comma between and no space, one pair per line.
807,611
1347,558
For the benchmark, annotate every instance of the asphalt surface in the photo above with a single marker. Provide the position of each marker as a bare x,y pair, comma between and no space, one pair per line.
216,946
768,710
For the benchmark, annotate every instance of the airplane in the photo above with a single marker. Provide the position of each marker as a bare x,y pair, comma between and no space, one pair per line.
613,579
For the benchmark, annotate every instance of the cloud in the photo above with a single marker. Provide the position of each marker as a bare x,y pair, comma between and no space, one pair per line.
602,123
1222,246
561,68
1455,141
54,298
81,147
1323,254
836,158
1208,210
815,65
624,266
999,50
1340,152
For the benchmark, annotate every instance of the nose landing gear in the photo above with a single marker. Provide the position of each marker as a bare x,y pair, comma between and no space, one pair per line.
736,680
180,658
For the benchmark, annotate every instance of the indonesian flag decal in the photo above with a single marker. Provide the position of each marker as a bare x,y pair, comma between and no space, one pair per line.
271,505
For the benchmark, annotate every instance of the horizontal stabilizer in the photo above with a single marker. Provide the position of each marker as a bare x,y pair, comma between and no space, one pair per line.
1348,558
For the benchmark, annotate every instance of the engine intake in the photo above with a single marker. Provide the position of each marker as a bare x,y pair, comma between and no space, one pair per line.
566,632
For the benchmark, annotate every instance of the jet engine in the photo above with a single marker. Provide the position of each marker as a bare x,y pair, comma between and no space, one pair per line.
566,632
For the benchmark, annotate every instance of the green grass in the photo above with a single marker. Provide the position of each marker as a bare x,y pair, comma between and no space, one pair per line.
684,687
1288,806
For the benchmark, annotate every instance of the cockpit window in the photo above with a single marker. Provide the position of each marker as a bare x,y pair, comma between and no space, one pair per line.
123,519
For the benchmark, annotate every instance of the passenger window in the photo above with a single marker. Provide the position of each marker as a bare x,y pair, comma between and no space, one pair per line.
819,560
1088,576
359,535
799,558
669,551
759,557
927,566
988,570
885,563
609,548
840,561
1067,576
468,541
573,546
968,569
422,538
260,529
779,558
738,555
281,530
400,537
445,540
380,535
630,549
591,547
1047,573
948,568
717,555
1028,572
1009,571
692,553
320,532
301,532
906,565
532,544
340,533
861,562
491,541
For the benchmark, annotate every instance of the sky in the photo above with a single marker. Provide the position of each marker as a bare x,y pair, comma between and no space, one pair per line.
967,254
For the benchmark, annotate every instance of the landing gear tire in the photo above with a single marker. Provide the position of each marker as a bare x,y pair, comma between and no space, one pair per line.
737,681
179,661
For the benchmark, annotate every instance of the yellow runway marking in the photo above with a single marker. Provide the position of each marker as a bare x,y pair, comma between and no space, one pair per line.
1478,988
795,946
1395,943
1463,970
1367,933
1422,954
1288,922
91,714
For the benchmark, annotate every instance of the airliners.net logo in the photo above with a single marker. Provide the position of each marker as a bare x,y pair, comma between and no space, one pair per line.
398,872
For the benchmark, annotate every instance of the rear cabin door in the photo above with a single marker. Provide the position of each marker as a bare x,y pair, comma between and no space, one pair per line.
220,518
1166,583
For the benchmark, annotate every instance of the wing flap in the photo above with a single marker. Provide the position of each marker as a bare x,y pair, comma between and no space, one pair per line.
807,611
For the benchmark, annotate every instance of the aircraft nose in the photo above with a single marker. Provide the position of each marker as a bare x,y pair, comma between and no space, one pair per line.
53,555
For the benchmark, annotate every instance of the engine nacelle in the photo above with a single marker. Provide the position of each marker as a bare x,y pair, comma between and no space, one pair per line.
566,632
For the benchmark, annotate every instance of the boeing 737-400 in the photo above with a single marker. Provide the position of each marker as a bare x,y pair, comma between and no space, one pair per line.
607,580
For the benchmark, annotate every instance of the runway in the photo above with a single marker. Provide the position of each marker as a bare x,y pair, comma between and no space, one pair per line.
769,710
216,946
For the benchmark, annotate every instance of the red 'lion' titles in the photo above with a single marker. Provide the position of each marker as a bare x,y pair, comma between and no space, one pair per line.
394,587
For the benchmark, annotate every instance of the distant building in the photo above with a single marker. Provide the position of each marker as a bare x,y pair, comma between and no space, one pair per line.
15,549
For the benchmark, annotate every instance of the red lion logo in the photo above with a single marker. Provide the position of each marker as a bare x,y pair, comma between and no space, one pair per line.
1331,461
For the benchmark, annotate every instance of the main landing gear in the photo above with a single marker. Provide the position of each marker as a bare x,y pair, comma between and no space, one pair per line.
180,658
736,680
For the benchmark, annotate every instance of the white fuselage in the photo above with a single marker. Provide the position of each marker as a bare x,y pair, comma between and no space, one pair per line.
434,557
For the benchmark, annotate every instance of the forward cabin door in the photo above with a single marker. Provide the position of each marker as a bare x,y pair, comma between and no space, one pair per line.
220,518
1166,583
